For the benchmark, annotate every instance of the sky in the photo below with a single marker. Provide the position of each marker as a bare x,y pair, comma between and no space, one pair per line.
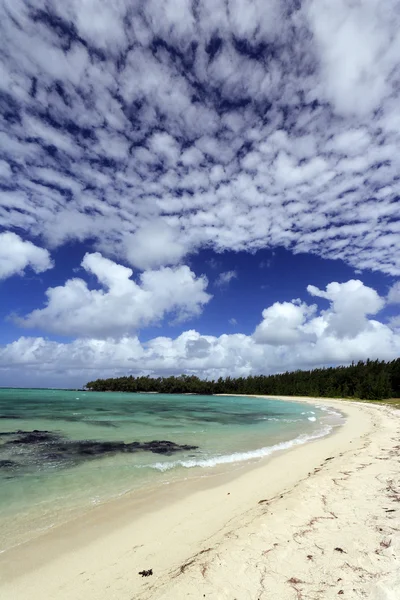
204,186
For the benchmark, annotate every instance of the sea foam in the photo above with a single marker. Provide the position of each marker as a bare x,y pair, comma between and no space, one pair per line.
236,457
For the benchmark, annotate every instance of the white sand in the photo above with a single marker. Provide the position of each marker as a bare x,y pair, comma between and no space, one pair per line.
297,526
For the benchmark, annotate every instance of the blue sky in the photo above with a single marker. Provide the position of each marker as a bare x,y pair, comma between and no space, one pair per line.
207,187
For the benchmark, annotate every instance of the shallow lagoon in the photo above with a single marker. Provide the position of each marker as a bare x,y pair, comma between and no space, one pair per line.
63,474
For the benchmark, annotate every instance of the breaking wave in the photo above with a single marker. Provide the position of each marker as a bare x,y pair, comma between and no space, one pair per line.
241,456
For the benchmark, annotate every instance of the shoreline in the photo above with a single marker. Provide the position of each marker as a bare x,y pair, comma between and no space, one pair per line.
26,527
100,555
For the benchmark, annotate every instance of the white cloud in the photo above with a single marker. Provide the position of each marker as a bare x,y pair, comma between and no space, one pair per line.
283,323
121,305
394,323
358,44
351,302
5,170
282,129
153,131
16,255
292,335
393,296
225,278
153,245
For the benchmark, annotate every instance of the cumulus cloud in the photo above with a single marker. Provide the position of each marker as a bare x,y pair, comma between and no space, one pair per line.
283,323
351,302
230,124
16,255
291,335
120,305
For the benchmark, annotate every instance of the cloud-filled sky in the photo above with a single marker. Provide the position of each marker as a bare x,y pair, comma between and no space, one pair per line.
201,186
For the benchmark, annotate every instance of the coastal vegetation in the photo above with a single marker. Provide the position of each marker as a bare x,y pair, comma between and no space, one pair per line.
369,380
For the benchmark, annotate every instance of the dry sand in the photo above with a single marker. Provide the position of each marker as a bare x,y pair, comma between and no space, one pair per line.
317,522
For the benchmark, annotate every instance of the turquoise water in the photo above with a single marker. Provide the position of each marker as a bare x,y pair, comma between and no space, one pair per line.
47,481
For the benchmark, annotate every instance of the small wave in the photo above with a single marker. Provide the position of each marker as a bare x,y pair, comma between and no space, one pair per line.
311,418
278,420
241,456
330,410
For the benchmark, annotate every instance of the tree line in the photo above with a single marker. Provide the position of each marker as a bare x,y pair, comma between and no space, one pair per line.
369,380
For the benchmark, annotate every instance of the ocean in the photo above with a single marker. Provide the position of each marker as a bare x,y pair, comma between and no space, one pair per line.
62,452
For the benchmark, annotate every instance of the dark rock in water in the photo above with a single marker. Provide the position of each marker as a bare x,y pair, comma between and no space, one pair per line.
38,449
94,448
165,447
10,417
57,455
34,437
133,446
13,433
8,465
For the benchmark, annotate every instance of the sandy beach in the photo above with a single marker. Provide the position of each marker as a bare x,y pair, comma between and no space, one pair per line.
316,522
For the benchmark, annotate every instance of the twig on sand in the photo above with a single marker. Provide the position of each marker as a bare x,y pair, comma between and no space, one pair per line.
190,562
270,549
295,582
394,494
